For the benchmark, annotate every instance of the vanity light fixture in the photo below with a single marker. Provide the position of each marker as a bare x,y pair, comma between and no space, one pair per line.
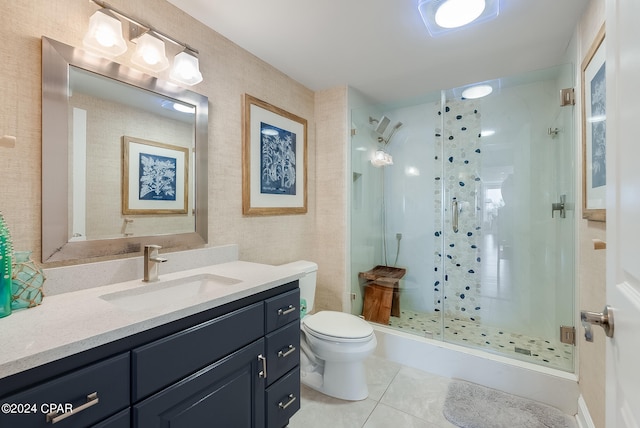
442,16
105,36
186,68
150,53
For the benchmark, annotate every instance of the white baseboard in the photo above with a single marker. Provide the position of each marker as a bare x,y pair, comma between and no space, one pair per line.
583,418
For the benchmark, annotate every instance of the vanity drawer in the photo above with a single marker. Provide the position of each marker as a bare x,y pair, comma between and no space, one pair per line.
282,309
165,361
283,399
120,420
283,350
94,392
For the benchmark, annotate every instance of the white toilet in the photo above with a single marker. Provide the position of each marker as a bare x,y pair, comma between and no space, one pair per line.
333,345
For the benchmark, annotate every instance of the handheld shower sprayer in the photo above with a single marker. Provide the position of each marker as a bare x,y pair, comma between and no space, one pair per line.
381,139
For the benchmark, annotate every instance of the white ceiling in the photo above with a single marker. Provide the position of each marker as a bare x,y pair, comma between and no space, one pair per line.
382,48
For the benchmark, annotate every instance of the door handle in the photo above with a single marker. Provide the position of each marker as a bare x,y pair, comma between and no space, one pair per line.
454,215
604,319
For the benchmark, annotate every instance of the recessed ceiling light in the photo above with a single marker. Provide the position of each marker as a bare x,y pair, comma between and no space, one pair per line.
442,16
477,91
487,132
456,13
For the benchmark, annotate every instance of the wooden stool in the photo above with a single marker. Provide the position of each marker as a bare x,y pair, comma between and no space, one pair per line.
382,293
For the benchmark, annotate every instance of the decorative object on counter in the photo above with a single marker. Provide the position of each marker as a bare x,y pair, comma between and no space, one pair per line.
6,249
26,285
274,160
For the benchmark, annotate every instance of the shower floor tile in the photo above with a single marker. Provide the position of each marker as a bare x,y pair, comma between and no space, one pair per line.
492,339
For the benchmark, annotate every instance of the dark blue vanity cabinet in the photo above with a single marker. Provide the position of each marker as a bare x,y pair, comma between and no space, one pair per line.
232,366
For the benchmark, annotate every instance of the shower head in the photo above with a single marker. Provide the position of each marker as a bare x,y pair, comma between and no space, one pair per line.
382,124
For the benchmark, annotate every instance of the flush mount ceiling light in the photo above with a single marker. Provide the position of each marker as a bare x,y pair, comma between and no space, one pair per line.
105,34
477,91
150,53
441,16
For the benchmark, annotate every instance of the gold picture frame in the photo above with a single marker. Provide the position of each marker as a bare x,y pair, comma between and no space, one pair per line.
593,83
274,160
155,177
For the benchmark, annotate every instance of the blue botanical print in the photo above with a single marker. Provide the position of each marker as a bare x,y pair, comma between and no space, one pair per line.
157,177
277,160
598,129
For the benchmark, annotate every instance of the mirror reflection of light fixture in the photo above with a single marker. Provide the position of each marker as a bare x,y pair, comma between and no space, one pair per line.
381,158
105,34
186,69
442,16
150,53
183,108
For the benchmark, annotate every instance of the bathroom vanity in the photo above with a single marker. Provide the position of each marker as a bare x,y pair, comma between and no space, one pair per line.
227,358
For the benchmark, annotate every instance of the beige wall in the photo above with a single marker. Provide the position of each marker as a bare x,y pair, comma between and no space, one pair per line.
592,262
331,197
228,71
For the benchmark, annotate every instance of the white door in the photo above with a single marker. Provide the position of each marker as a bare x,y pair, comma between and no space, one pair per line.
623,212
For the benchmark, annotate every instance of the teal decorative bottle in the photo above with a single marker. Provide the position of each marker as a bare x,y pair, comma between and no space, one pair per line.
6,250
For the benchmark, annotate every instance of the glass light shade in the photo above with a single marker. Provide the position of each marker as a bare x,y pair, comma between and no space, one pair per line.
186,69
442,16
457,13
150,53
381,158
477,91
105,35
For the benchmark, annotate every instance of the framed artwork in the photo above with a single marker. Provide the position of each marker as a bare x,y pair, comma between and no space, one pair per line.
594,141
155,177
274,160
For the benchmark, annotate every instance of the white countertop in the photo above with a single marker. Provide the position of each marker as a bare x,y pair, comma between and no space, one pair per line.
73,322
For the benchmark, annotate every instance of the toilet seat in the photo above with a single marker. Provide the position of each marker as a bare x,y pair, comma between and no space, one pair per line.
337,327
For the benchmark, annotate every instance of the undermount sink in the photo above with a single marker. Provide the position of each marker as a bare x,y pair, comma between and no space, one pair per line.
164,293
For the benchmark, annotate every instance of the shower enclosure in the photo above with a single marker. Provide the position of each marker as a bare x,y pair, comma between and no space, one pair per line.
470,201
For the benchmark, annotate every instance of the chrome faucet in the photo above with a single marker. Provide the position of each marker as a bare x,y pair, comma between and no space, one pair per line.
151,261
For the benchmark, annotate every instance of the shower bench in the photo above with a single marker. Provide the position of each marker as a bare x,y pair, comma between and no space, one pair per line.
382,293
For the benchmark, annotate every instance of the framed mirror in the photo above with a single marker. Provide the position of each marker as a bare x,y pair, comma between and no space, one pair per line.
124,159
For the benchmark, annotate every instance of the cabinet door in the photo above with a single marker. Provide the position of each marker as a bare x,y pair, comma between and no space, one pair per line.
228,393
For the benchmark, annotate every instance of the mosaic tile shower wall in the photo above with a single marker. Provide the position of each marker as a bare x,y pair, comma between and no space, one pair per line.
459,144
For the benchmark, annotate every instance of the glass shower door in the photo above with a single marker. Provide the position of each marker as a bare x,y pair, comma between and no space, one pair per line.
507,257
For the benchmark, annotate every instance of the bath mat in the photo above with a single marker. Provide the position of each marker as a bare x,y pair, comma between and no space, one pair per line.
469,405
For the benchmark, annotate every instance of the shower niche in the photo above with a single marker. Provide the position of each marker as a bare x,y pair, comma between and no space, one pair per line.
463,208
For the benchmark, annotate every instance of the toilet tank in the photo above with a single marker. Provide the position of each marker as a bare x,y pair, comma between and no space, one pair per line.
307,282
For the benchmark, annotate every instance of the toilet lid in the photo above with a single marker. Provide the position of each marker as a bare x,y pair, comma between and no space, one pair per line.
338,325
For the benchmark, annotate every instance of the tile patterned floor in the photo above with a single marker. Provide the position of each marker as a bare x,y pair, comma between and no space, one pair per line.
399,396
492,339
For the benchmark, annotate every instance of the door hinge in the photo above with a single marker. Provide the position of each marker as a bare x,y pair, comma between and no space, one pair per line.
568,334
567,97
353,296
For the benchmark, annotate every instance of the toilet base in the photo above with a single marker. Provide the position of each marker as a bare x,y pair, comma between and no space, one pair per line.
346,381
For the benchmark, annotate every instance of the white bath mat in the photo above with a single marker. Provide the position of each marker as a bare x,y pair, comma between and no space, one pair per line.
469,405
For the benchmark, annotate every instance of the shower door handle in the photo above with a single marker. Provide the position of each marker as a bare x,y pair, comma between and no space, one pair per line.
454,215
